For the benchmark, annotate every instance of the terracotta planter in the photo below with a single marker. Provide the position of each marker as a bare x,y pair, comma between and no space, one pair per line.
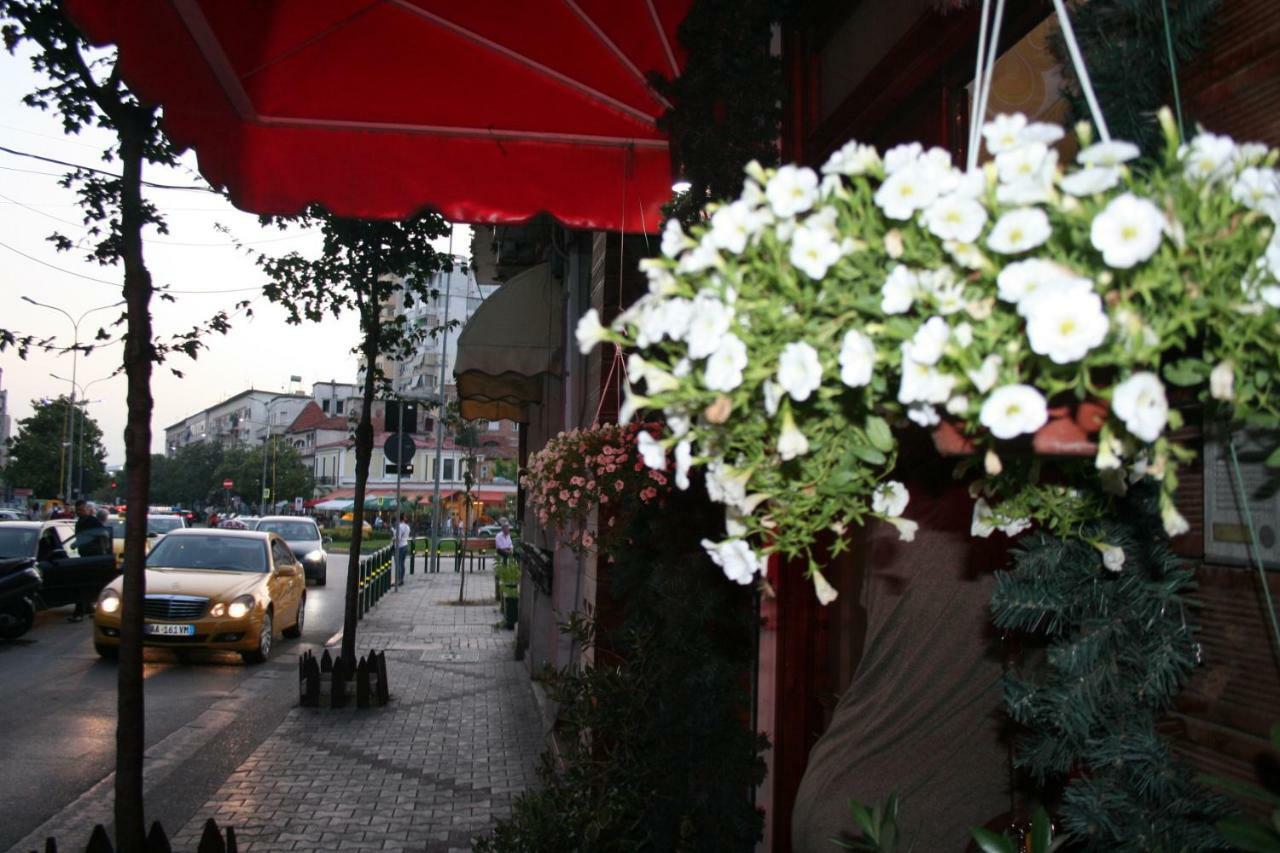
1068,433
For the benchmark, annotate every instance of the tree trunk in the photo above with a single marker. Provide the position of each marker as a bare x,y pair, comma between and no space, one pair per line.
138,355
364,452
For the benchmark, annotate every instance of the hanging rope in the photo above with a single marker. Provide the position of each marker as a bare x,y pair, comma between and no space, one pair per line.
1173,68
1082,73
983,84
975,120
1254,551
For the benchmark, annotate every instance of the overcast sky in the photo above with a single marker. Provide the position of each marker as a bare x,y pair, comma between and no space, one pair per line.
261,351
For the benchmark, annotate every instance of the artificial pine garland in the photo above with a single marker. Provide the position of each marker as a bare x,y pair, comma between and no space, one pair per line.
1120,646
1124,46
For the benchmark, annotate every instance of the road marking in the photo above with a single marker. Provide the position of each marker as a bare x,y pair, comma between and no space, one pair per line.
334,640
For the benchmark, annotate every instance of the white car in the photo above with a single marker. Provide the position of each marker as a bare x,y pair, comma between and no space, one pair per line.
11,515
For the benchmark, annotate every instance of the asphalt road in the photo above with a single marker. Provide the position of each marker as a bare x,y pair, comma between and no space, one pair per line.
58,712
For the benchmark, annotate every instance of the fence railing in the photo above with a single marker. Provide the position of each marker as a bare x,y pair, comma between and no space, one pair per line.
212,840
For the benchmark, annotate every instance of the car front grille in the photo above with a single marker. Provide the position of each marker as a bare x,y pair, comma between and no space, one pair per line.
174,606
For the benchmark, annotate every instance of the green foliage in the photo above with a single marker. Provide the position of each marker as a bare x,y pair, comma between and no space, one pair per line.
878,826
1120,644
37,458
1039,840
715,129
286,474
654,748
190,476
1124,47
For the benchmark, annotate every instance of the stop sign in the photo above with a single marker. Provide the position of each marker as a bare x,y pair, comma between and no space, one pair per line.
226,484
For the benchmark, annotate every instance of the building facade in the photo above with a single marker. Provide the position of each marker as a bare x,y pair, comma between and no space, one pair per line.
246,418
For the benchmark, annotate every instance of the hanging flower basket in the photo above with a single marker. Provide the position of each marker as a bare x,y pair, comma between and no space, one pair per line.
609,468
1021,301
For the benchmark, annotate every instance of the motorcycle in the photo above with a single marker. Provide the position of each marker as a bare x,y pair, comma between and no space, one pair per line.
20,583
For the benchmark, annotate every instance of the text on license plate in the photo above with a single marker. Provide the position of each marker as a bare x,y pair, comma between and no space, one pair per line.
171,630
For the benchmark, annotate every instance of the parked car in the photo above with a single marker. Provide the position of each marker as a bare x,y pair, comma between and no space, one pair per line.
305,539
11,515
116,523
72,568
215,589
159,523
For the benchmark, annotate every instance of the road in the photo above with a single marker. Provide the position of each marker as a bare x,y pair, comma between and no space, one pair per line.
57,718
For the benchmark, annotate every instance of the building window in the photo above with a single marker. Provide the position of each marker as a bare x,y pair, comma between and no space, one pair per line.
324,406
494,426
448,470
337,406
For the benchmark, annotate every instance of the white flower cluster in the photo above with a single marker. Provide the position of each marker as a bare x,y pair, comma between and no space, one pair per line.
778,337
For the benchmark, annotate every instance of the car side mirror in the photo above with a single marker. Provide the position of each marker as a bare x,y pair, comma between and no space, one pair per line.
58,554
151,534
288,570
326,540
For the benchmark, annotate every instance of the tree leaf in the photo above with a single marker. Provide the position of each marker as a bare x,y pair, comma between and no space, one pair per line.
1041,831
868,454
879,434
1273,461
990,842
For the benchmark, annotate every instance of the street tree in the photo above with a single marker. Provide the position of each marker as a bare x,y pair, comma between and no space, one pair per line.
86,88
37,454
362,265
287,475
189,477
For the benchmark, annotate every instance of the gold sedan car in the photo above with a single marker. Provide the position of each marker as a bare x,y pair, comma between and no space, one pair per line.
230,590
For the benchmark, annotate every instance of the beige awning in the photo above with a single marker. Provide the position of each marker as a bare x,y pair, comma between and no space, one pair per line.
509,347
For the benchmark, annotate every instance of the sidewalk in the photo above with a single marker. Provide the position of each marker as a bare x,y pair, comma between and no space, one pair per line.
434,768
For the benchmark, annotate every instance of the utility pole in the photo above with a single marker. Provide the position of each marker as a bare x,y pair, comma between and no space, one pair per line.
440,397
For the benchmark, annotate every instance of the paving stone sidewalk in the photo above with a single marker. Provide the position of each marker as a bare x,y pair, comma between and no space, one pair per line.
430,771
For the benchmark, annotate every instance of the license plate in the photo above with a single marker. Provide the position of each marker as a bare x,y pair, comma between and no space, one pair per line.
171,630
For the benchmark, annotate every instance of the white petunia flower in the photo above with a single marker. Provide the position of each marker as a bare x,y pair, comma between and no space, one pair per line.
709,321
1091,181
1112,556
1174,523
678,424
900,291
922,414
651,451
982,525
701,257
822,587
906,191
735,557
1065,324
1004,132
674,240
1042,132
1257,189
1251,153
813,250
1127,231
962,334
1208,157
1108,154
589,332
857,359
772,396
899,157
1019,230
631,403
984,378
661,281
1109,450
1023,163
966,255
1222,381
929,340
906,528
734,225
723,370
949,298
922,383
955,217
1140,403
727,486
958,405
890,499
853,159
1014,526
799,370
684,460
791,441
792,190
1014,410
1022,281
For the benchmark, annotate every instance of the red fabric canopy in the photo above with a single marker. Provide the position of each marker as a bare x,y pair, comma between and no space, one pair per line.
486,112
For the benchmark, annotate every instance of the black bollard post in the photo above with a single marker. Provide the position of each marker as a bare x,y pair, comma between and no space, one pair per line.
341,674
326,662
211,839
362,684
99,842
384,689
157,841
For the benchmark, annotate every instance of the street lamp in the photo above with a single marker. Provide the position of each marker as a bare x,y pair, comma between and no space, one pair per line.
75,353
84,402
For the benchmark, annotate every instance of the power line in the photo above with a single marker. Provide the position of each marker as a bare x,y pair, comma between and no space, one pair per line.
69,165
118,284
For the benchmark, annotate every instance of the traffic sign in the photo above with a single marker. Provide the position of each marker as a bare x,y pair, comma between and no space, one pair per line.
266,494
226,484
399,447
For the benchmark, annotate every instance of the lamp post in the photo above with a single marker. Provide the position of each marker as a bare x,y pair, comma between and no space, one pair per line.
75,353
79,446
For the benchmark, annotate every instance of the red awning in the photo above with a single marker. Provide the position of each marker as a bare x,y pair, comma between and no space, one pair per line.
487,112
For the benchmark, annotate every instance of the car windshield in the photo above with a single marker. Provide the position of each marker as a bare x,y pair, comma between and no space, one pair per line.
223,553
17,541
117,527
291,530
163,523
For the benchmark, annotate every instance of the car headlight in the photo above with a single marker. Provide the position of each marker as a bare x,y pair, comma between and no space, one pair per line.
109,601
240,607
316,556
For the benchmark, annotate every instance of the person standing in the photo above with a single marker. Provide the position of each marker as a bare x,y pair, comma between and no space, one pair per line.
401,534
90,536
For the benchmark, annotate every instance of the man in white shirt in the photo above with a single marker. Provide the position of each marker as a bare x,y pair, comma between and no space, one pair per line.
402,547
502,542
